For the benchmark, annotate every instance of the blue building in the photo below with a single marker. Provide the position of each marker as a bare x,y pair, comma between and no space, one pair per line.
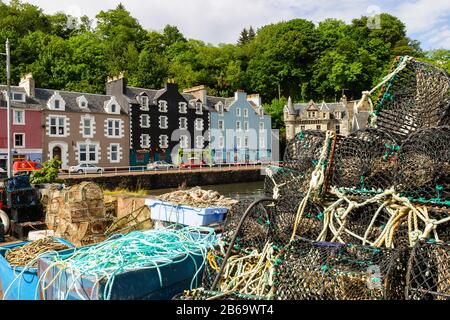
240,131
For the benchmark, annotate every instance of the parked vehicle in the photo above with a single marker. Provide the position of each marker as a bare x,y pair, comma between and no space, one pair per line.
193,163
26,166
86,168
160,165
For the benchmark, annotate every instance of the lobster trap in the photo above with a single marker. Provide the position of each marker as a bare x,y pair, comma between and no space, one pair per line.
416,96
428,276
331,271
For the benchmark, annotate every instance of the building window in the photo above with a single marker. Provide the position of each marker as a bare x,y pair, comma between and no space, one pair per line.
19,140
57,126
337,115
199,141
262,113
184,141
238,125
162,106
246,142
198,108
261,126
246,125
87,127
338,129
245,113
113,108
238,112
17,96
19,117
199,124
262,142
57,104
182,107
145,141
114,128
220,109
144,103
83,104
145,121
183,123
238,142
87,152
221,125
221,142
163,141
163,122
114,153
318,127
324,115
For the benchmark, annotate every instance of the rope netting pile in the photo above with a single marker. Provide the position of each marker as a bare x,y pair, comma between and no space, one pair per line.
340,208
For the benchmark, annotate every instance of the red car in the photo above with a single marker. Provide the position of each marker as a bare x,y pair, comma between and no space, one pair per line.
193,163
26,166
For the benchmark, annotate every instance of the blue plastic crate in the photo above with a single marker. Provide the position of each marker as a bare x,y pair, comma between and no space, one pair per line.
142,284
182,214
23,288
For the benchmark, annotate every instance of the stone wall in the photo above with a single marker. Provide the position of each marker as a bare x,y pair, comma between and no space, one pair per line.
163,180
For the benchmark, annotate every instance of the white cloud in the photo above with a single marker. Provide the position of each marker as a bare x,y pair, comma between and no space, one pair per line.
219,21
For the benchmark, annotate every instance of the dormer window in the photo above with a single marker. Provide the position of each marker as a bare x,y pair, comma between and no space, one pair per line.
56,102
82,102
182,107
198,108
111,106
162,106
220,109
144,103
18,96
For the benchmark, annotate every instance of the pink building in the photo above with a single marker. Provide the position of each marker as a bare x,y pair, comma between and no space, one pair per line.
26,126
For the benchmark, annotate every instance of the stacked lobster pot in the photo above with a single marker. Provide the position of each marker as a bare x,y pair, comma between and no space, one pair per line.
365,216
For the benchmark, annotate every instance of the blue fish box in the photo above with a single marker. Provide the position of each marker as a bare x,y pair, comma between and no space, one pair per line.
186,215
140,284
23,288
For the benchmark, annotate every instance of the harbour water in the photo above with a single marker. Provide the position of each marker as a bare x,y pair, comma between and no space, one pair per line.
238,191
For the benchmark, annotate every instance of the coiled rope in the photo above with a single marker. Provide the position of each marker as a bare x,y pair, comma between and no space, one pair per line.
138,250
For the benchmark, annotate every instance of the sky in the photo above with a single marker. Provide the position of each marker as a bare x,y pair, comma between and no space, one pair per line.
220,21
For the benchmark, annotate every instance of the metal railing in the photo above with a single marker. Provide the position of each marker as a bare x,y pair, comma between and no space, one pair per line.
124,170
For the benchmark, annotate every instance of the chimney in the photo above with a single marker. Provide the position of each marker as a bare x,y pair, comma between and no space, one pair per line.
27,82
116,86
171,86
199,92
255,98
240,94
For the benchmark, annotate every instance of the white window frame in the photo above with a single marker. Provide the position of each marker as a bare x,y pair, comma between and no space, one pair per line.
163,141
88,152
183,120
199,142
198,108
261,126
238,127
56,97
337,115
182,107
246,126
166,122
91,127
144,103
220,108
246,140
14,117
184,141
238,142
141,119
114,128
221,127
22,95
147,137
238,112
58,126
118,152
81,100
199,126
162,106
23,140
221,142
245,113
262,141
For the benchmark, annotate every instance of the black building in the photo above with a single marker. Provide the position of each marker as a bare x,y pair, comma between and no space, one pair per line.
162,122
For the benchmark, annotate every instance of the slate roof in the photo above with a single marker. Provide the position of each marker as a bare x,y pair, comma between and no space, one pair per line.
29,103
299,108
